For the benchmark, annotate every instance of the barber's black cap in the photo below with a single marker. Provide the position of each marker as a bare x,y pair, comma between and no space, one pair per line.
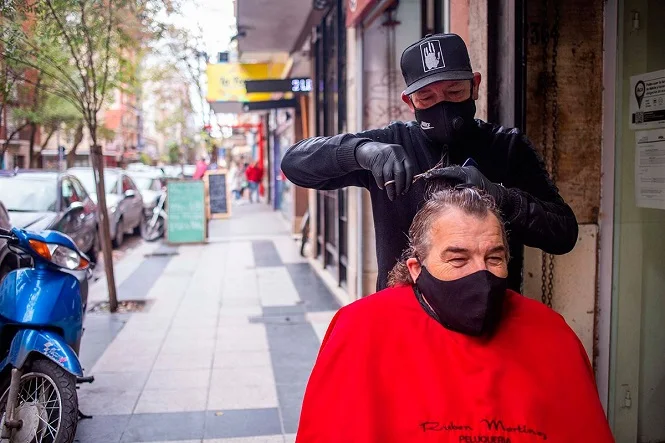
435,58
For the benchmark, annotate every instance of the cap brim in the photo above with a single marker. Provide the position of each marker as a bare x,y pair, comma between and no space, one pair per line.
437,77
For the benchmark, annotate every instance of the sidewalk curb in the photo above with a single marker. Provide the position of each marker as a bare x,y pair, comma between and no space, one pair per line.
340,294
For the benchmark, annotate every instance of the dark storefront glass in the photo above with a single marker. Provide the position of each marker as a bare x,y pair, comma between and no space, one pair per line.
330,102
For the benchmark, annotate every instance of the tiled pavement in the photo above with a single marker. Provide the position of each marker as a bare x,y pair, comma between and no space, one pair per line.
224,350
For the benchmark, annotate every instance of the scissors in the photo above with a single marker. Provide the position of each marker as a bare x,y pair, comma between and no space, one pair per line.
469,162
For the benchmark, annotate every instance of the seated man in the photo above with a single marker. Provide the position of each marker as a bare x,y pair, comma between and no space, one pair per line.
448,354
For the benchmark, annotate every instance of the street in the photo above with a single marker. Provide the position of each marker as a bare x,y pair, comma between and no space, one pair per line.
223,346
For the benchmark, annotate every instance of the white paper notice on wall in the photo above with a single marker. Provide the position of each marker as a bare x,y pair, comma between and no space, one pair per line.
647,100
650,169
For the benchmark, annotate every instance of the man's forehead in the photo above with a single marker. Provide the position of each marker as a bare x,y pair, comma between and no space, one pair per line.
440,85
457,227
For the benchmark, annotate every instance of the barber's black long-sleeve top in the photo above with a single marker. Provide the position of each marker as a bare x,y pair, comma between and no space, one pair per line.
535,213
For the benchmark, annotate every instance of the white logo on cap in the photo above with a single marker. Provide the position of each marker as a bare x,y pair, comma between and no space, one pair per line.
432,55
426,125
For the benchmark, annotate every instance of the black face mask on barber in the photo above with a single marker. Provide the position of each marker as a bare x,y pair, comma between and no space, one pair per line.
445,122
471,305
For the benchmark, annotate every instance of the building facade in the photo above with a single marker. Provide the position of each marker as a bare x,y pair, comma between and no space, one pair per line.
584,79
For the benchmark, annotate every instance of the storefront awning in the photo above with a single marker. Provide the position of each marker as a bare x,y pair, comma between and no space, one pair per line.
269,104
270,26
226,107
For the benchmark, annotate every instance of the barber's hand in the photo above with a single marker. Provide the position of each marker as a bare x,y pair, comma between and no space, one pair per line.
469,176
387,163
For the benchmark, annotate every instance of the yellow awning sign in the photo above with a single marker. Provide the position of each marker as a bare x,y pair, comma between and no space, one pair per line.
226,81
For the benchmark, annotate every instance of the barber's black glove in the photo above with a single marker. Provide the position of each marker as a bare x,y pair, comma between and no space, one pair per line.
387,163
469,176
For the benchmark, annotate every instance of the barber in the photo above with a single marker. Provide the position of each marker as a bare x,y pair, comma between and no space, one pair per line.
441,91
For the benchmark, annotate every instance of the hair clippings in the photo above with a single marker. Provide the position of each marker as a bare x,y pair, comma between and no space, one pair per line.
421,175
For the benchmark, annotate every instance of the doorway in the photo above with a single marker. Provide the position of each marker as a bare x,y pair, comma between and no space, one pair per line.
636,404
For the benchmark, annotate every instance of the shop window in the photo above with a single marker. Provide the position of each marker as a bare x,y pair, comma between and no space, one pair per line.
434,16
330,102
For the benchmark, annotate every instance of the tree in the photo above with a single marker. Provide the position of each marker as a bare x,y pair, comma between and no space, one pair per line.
55,114
100,40
9,72
174,153
186,51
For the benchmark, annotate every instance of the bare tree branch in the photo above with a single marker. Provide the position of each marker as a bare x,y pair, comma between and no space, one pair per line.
70,44
76,94
56,92
107,53
90,49
11,136
55,63
49,135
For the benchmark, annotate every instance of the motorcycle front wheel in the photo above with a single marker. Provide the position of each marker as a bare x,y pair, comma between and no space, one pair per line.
152,232
47,404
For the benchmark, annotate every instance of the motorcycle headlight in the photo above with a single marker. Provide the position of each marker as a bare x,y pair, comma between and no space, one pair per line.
59,255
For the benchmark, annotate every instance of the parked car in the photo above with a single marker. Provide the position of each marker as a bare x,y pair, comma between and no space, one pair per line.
153,189
171,171
5,266
38,200
138,166
188,171
123,200
151,184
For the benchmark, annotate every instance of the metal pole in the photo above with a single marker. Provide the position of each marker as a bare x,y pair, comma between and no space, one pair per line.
60,154
10,422
361,192
105,236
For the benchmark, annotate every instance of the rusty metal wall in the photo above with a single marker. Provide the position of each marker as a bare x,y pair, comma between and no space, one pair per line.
579,76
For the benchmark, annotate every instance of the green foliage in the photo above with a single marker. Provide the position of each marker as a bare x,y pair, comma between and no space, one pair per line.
145,159
105,133
81,50
174,153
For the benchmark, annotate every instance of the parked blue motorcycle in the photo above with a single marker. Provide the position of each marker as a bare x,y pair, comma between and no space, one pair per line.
41,325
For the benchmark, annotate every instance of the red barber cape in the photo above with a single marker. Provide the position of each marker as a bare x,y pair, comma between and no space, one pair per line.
388,372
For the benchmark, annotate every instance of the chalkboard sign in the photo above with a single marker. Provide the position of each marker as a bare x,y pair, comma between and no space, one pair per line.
219,201
186,211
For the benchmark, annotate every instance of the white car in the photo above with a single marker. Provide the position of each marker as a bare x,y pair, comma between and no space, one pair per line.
123,200
5,267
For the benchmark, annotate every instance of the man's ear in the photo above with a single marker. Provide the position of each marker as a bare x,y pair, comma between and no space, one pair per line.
407,100
414,268
476,84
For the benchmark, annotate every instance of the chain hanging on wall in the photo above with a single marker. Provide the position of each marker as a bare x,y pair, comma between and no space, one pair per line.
550,132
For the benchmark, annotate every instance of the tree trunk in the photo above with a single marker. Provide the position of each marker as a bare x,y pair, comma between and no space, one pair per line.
97,157
9,139
32,162
40,154
48,137
33,126
78,138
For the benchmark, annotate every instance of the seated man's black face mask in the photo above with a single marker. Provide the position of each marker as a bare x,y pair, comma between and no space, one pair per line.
471,305
444,122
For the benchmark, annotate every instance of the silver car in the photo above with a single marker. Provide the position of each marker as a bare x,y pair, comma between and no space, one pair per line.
5,267
123,200
152,184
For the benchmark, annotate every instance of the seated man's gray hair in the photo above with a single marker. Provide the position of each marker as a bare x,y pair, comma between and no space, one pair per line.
469,200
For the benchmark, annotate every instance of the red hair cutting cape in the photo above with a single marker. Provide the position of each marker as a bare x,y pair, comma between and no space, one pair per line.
388,372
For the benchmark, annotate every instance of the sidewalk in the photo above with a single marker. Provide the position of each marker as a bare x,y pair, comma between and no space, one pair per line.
224,347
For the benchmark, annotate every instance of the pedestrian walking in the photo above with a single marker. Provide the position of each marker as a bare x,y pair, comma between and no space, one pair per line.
448,353
254,176
201,168
441,90
237,177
